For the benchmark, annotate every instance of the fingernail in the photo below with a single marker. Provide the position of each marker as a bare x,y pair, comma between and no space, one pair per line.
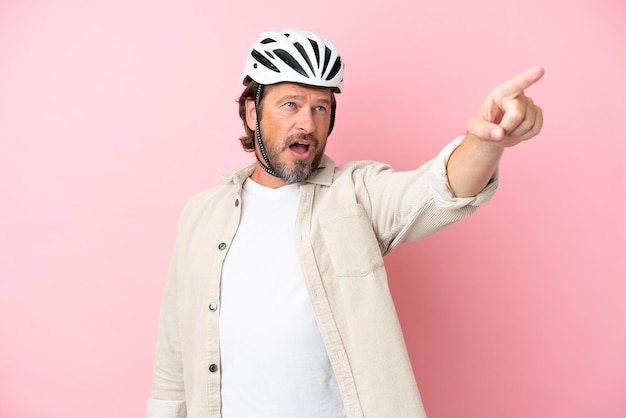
496,134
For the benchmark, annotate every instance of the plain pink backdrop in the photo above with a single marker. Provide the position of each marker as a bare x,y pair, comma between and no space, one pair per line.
113,113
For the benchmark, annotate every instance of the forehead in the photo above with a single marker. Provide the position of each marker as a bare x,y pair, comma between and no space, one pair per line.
276,91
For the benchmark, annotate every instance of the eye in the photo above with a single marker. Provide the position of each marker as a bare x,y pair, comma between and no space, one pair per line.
320,108
289,104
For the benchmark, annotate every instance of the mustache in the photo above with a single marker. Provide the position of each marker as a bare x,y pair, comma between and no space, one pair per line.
308,137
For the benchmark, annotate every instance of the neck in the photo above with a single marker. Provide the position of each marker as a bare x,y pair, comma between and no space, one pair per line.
263,178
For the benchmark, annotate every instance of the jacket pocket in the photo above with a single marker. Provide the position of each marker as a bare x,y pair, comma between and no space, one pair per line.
350,241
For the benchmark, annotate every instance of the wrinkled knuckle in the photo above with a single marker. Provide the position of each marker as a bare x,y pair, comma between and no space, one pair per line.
539,111
528,123
517,114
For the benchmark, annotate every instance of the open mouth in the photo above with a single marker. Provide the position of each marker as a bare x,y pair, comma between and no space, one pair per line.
299,148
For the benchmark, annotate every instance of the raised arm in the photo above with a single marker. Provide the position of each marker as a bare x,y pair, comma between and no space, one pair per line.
506,118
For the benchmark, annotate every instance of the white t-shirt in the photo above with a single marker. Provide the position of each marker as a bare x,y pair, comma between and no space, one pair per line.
273,360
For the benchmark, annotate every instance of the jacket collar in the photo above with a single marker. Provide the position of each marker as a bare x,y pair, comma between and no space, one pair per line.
322,176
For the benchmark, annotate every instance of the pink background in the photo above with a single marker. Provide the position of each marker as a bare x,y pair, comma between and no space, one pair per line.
113,113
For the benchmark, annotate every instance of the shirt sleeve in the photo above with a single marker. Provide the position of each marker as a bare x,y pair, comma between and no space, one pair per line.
406,206
442,192
167,398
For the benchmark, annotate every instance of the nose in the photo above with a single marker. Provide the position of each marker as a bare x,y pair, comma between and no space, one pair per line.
306,123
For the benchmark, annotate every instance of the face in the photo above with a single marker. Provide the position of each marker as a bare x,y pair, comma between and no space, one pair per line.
294,126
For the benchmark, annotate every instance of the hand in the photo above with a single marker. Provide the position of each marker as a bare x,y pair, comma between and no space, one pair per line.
508,116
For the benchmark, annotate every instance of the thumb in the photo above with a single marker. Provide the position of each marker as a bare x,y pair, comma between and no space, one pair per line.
485,127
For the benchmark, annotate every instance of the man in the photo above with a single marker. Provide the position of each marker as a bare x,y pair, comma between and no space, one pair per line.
277,302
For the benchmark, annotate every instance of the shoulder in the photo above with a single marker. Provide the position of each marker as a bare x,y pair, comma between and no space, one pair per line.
207,200
329,174
216,201
204,197
217,194
362,166
361,171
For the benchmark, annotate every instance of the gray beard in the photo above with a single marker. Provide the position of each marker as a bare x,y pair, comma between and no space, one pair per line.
298,172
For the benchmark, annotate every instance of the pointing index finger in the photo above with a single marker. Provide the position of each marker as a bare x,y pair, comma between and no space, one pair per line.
515,86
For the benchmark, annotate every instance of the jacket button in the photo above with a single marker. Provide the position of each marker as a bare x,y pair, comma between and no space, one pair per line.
222,246
213,368
213,307
236,202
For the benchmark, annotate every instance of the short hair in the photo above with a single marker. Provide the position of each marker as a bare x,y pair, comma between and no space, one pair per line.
247,141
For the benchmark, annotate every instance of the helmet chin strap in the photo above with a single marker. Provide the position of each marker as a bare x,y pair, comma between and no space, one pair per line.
267,167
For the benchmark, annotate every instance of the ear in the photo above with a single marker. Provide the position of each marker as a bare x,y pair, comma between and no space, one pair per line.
250,114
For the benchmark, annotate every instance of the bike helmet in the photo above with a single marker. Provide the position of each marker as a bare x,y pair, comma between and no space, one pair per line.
294,56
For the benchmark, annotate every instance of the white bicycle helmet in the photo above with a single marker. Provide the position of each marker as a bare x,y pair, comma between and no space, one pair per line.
294,56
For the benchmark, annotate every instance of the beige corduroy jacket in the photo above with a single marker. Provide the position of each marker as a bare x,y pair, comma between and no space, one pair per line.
348,218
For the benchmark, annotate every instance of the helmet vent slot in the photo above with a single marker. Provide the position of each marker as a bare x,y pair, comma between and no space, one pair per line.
335,69
316,49
261,59
300,49
327,54
290,61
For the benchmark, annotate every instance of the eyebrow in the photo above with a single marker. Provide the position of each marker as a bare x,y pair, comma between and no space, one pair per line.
300,97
